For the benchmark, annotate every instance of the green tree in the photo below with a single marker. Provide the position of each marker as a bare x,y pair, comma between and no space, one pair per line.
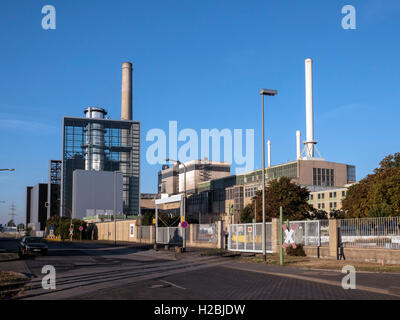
378,194
247,214
11,223
292,197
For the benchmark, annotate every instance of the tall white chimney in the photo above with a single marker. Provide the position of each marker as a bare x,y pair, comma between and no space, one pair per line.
309,111
269,153
298,144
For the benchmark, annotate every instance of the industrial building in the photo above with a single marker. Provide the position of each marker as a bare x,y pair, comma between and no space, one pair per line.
96,144
227,196
54,188
43,199
171,179
36,210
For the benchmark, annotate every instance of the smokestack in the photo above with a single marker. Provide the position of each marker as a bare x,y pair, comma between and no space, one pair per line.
269,153
126,94
298,144
309,111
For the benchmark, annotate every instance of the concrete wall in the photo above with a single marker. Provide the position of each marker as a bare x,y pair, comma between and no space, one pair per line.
105,231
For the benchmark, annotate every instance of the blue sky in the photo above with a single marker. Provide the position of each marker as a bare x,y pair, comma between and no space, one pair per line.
201,63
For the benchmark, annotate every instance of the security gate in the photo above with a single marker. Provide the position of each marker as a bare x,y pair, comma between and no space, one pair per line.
169,235
247,237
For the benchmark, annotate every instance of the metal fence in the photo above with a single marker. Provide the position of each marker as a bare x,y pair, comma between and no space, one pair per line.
169,235
247,237
311,232
144,232
370,233
205,232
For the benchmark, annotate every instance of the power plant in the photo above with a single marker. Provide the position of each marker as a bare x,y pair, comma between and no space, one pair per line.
97,144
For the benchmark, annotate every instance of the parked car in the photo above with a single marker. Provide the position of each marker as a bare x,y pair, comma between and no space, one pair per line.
32,245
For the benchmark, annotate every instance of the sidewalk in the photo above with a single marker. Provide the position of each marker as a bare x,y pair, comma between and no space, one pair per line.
382,283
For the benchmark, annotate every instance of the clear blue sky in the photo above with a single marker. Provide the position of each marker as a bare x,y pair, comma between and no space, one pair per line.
200,63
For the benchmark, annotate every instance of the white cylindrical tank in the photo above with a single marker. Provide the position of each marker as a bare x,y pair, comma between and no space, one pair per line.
309,109
95,140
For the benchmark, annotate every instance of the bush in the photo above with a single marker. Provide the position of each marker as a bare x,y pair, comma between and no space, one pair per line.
298,252
61,227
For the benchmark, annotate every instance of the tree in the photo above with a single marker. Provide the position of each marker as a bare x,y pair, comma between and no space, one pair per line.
20,227
11,223
292,197
246,214
378,194
61,227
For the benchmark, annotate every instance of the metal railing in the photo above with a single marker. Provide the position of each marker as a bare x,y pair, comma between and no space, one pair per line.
144,232
205,232
247,237
311,232
370,233
169,235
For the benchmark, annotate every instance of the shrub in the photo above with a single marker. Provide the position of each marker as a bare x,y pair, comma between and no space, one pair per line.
298,252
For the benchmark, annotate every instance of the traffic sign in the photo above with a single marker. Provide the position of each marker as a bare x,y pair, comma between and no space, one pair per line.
249,229
184,224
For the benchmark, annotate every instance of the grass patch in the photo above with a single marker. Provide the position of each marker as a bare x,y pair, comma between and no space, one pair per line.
8,256
11,283
328,264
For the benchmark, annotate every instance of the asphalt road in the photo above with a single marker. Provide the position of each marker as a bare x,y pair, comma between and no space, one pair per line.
101,271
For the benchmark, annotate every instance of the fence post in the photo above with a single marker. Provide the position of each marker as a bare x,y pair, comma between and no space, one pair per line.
275,235
220,227
333,238
152,234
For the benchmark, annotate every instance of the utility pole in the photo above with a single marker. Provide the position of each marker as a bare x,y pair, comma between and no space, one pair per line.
264,92
13,214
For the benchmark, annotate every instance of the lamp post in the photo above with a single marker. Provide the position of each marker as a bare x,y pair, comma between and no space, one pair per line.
184,199
264,92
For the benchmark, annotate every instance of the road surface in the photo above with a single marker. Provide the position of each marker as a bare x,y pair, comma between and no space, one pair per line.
93,270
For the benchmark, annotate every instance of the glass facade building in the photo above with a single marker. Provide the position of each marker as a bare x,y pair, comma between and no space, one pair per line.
102,145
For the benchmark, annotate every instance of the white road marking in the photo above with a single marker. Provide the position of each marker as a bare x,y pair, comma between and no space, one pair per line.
173,284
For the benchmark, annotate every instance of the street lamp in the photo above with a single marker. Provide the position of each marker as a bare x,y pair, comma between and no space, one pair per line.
264,92
184,199
7,169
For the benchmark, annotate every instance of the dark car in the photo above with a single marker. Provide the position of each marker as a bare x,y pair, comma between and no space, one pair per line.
33,245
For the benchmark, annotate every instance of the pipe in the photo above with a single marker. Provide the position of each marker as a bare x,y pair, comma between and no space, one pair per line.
269,153
309,109
126,92
298,144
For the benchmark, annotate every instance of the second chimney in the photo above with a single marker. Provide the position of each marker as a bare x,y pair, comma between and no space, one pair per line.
126,93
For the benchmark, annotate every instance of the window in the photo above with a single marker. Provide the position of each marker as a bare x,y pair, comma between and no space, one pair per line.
330,194
334,194
334,204
323,177
319,206
343,193
330,205
323,205
319,196
323,196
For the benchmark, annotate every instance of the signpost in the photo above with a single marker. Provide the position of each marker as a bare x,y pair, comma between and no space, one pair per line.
81,229
184,224
71,231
